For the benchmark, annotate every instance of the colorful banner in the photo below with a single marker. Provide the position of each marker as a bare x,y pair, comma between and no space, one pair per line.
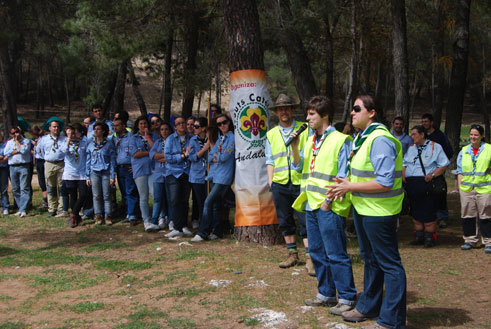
249,102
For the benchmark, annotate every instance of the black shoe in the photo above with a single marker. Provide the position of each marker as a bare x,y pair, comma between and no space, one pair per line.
51,214
429,243
134,222
417,242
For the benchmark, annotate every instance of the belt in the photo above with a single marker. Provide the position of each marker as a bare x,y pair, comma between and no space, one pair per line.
19,164
55,162
124,165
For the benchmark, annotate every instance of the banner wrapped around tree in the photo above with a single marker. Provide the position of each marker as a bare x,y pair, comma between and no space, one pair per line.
249,102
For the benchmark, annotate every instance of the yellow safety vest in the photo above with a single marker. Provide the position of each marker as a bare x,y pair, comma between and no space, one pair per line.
282,171
376,204
480,180
314,183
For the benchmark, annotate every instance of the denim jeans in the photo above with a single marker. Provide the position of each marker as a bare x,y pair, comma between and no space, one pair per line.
199,197
160,204
4,187
327,249
212,216
283,197
128,190
101,192
378,248
178,190
142,185
19,176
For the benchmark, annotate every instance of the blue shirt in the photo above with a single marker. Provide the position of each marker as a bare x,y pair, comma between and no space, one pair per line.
405,140
90,129
75,160
197,171
471,152
141,166
123,155
38,154
173,149
383,156
51,147
102,159
432,155
223,171
24,155
2,148
160,170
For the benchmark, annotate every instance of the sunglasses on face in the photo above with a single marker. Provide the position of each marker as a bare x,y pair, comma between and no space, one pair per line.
197,126
357,108
224,122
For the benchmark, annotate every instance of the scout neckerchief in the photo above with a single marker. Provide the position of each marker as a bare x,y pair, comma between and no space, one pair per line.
119,139
202,142
316,146
474,160
359,140
97,146
54,148
286,132
220,145
75,147
144,140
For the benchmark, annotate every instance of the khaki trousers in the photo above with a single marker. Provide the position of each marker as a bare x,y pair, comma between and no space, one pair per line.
476,212
53,173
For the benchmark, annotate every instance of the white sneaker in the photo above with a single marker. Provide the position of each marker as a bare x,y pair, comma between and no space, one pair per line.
197,238
195,224
23,214
213,237
171,226
17,213
162,223
174,233
5,212
149,227
186,231
62,214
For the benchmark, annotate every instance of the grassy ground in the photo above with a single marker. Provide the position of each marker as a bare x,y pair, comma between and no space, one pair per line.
52,276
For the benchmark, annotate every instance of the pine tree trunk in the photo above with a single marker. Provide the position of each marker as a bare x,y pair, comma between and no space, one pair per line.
67,91
245,52
455,106
295,52
190,65
136,89
400,62
9,103
353,75
118,97
439,74
168,77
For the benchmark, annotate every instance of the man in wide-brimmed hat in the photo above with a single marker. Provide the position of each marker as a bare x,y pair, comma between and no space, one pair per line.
284,181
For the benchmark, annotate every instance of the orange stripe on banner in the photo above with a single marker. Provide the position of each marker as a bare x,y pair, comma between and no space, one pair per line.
247,76
253,208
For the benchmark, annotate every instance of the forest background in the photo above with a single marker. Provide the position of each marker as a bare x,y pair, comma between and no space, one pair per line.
57,55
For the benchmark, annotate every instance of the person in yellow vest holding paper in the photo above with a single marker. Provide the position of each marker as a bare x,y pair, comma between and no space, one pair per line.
324,157
474,181
375,184
284,181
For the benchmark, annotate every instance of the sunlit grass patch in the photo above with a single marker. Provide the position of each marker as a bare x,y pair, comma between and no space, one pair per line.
186,292
188,275
87,307
189,254
38,257
114,265
13,325
181,324
139,325
5,298
56,280
101,246
145,313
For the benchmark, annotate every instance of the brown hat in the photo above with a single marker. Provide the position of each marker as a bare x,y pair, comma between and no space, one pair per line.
283,101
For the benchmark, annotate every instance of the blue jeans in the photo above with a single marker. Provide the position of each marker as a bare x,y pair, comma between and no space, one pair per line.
377,237
4,187
19,176
178,190
212,215
128,190
327,249
283,197
142,185
160,204
199,197
101,192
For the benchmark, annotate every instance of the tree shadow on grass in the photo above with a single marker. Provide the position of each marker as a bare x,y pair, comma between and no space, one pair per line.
430,317
7,251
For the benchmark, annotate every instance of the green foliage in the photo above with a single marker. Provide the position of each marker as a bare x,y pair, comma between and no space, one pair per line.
27,257
86,307
13,325
121,265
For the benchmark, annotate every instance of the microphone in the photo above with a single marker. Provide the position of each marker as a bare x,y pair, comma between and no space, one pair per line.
291,139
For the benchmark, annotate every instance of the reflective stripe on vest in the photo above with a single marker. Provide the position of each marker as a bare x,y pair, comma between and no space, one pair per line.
386,203
480,181
313,189
281,171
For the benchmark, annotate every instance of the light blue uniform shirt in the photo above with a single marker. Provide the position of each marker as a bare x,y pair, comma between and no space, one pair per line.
471,152
103,159
51,150
38,154
197,172
75,168
24,155
2,148
176,166
90,129
405,140
223,171
123,155
433,157
160,170
141,166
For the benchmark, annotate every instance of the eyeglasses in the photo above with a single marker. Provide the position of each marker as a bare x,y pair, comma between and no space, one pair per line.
180,123
197,126
14,132
224,122
357,108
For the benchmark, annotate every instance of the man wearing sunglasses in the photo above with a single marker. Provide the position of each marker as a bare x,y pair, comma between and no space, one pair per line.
285,182
18,151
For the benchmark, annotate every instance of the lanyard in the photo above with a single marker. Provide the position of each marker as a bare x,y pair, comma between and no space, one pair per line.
316,145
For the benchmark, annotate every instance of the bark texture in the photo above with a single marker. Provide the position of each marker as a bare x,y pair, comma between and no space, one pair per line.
136,89
118,97
190,65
